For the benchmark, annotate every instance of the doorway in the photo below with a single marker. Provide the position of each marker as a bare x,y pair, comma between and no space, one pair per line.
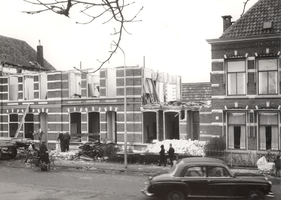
172,125
149,127
75,125
94,126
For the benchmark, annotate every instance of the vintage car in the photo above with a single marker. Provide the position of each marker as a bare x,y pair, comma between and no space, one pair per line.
205,177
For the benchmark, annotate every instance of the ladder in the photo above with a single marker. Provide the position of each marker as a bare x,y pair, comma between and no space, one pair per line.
22,121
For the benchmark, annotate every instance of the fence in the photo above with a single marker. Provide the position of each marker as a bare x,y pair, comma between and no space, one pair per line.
240,159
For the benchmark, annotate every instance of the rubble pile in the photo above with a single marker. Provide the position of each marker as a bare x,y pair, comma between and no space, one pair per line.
187,147
70,155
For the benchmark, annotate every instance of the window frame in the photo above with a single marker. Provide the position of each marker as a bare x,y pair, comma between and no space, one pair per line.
244,138
228,72
267,76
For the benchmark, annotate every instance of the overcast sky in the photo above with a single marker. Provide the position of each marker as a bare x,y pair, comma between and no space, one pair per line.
171,36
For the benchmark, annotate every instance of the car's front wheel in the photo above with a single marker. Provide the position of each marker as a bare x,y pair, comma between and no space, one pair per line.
256,195
176,195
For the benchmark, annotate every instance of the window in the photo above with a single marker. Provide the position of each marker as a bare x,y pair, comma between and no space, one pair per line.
195,172
236,78
13,125
268,131
217,172
267,76
237,130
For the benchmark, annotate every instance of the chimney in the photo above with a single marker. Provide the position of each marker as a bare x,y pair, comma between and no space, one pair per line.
226,22
40,57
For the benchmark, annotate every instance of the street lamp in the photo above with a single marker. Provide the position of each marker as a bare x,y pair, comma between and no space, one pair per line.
125,112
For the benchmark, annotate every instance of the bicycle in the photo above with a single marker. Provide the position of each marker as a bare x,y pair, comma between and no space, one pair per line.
34,159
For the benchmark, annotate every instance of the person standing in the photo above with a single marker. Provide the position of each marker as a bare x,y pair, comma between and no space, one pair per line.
44,155
171,153
62,145
277,162
162,156
66,139
40,134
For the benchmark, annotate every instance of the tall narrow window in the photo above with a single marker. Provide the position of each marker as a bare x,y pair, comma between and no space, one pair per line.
236,130
236,78
268,79
268,131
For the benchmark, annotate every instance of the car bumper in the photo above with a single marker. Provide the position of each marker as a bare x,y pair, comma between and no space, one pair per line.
270,195
145,192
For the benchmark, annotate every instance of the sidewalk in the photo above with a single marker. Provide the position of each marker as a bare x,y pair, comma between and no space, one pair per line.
109,167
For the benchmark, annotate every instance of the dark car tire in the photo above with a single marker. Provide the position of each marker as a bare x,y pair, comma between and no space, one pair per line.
176,195
256,195
0,153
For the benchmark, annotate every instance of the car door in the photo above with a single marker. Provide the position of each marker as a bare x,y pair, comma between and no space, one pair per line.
196,179
220,183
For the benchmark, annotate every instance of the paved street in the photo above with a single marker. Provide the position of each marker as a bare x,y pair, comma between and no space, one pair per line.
72,183
23,183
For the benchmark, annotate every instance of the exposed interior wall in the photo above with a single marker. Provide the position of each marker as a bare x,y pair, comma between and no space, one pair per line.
111,120
13,88
111,82
43,85
28,87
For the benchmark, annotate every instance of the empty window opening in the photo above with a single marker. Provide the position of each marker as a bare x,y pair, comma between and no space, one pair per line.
111,119
13,125
94,126
172,125
75,126
29,126
149,127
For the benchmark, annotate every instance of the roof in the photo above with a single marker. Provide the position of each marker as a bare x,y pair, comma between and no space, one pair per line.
251,23
201,91
18,52
208,160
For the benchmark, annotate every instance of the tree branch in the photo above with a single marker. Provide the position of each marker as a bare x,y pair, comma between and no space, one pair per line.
113,7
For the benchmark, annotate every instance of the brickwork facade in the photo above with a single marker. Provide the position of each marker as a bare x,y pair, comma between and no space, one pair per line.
85,104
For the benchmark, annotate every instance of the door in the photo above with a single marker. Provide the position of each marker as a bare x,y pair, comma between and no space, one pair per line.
195,178
220,183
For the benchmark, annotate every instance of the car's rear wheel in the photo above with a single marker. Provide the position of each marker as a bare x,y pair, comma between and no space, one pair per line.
256,195
176,195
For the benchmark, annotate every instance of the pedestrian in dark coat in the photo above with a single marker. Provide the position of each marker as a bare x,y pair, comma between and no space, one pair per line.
66,139
44,154
62,145
162,156
171,154
277,162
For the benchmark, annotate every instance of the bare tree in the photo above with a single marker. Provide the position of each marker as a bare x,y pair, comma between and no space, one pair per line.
93,9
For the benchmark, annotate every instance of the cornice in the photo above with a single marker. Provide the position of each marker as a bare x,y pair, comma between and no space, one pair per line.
243,39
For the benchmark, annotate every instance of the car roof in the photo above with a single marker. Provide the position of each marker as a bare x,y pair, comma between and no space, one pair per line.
193,160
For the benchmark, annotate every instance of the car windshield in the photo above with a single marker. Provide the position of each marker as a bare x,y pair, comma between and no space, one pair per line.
174,169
